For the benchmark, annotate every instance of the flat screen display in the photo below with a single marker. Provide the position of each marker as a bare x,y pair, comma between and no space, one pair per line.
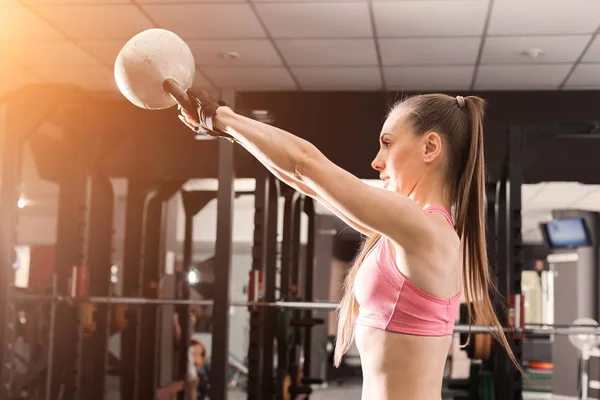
566,232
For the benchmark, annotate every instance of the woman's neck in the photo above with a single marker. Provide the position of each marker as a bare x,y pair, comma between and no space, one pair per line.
431,193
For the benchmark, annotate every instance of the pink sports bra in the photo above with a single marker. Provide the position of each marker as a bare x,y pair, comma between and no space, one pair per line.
388,300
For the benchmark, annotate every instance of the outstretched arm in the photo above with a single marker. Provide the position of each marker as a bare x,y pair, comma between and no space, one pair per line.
302,188
374,209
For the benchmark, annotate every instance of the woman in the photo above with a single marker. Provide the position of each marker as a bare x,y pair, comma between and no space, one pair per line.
402,295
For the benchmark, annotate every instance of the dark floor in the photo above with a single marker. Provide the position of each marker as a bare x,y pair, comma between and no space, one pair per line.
333,392
347,391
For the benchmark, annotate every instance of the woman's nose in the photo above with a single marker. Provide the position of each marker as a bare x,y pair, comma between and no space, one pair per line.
377,164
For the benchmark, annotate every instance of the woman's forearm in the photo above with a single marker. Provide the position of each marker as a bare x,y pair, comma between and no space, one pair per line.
272,146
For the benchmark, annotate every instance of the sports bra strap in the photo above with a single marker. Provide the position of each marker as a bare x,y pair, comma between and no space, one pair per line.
442,211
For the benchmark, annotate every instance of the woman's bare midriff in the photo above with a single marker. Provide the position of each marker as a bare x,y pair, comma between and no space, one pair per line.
401,367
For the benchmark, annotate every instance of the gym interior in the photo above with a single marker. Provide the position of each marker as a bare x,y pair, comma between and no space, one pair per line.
131,249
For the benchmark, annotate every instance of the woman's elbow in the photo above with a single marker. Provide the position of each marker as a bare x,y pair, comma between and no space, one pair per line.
307,162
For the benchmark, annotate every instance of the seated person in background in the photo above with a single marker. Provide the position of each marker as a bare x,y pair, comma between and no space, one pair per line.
197,384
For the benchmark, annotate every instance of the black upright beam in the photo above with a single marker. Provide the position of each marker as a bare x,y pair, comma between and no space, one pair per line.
309,209
270,277
492,247
138,193
259,256
286,288
153,250
220,315
490,223
9,196
298,209
514,253
72,228
193,202
287,246
499,359
510,262
99,262
501,266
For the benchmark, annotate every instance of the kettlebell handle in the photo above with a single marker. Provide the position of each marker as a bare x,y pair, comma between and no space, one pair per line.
181,97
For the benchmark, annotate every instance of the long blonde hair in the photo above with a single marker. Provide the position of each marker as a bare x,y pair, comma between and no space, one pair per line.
462,130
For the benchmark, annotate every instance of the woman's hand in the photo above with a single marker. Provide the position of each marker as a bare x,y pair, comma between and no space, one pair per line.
187,119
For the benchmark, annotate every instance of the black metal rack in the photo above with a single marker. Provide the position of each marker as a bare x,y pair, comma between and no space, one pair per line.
525,145
81,159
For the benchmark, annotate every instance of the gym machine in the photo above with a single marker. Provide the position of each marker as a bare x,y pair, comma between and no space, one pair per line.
290,329
525,144
81,159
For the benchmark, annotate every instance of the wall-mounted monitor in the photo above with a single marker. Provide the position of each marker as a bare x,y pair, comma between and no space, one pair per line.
566,233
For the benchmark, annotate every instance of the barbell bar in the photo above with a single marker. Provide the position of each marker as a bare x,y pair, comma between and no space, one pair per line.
459,328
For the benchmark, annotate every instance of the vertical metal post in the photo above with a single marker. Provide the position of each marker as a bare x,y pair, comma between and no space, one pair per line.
220,334
510,262
269,325
154,254
287,246
71,237
298,208
183,311
491,240
137,199
285,292
193,202
9,196
501,264
259,256
294,269
309,209
148,337
99,262
514,254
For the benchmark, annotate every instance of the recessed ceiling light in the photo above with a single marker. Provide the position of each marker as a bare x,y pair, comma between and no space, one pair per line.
534,52
230,55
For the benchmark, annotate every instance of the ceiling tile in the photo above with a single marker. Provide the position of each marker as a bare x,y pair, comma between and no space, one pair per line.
316,20
338,78
512,50
45,54
346,52
105,51
89,78
428,78
421,51
96,21
251,78
521,76
593,52
429,18
585,75
12,78
74,2
18,23
208,21
550,17
201,81
179,2
253,52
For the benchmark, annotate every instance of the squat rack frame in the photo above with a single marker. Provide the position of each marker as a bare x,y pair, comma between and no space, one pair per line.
524,145
18,124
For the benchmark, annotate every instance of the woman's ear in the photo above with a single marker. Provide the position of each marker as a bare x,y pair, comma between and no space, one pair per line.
433,146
